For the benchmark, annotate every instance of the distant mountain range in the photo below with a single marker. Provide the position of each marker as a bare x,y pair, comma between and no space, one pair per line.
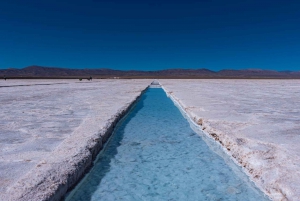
49,72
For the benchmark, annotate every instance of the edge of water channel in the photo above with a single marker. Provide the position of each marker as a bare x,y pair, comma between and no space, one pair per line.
69,194
209,140
57,178
216,146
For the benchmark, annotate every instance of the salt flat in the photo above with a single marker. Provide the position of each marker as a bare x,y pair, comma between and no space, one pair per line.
48,129
256,121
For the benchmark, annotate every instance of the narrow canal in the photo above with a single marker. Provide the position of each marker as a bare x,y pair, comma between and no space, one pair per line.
155,155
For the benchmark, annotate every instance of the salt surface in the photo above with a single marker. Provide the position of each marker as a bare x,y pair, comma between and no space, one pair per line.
48,126
155,155
256,121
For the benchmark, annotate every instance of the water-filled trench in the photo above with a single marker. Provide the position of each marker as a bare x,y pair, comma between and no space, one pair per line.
155,155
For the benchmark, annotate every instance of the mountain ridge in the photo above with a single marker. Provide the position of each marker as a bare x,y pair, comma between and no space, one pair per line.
56,72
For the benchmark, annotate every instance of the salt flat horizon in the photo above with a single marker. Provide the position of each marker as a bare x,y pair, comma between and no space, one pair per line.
255,121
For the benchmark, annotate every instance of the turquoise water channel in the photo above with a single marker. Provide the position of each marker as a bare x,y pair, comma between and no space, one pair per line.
155,155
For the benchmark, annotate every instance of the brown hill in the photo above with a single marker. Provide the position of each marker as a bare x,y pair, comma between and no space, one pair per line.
49,72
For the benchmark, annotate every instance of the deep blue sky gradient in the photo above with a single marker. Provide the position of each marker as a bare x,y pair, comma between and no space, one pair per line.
151,35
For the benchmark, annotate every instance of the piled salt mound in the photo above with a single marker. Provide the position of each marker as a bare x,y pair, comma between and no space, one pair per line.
255,121
155,82
50,131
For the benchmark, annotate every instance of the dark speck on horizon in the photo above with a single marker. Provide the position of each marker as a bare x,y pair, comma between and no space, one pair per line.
151,35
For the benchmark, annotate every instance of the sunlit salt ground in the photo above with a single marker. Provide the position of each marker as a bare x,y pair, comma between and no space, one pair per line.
155,155
258,121
47,124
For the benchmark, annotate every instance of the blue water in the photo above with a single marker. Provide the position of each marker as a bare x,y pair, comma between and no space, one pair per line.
155,155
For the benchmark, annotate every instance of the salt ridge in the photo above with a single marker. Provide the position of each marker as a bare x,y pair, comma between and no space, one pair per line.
272,167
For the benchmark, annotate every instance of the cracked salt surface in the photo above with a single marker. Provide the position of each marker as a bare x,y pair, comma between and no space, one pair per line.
155,155
256,121
48,127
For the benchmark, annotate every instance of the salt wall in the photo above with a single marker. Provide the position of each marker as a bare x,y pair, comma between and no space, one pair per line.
255,121
52,130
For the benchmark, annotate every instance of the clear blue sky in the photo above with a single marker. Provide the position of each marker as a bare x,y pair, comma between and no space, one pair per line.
151,34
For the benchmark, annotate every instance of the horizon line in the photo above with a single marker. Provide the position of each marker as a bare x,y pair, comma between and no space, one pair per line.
245,69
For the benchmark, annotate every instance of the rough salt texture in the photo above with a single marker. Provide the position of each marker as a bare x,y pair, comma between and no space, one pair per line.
51,130
256,121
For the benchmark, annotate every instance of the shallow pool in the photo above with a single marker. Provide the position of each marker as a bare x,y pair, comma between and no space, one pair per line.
155,155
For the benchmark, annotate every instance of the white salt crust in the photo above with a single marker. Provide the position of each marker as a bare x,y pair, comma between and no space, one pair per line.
255,121
51,130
